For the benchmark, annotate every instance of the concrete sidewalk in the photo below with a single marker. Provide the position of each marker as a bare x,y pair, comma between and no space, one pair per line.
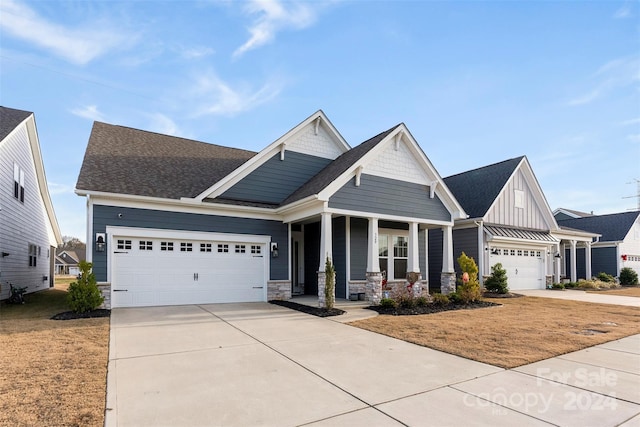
259,364
578,295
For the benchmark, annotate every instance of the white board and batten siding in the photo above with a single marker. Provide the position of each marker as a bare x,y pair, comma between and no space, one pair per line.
516,206
22,223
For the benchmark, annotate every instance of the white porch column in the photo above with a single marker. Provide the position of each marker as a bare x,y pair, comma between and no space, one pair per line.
325,240
572,255
373,262
587,260
447,249
413,263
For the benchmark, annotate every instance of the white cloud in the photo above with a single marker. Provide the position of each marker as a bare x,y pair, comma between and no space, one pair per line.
55,188
89,112
630,122
624,11
620,72
221,98
634,137
76,45
163,124
195,52
274,16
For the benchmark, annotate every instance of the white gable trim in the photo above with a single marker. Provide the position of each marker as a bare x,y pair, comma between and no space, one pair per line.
536,193
280,145
400,137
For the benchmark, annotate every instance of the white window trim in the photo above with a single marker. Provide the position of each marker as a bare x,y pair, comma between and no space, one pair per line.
391,233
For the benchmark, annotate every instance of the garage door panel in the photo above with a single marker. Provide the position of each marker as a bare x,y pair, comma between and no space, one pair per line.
524,267
162,272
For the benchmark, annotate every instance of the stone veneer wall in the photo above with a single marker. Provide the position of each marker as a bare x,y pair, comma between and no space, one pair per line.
322,281
548,281
278,290
447,283
357,287
373,290
105,290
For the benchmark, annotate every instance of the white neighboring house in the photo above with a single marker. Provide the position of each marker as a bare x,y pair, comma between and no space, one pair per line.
29,230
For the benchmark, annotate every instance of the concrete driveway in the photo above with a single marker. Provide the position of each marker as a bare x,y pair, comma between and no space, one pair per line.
259,364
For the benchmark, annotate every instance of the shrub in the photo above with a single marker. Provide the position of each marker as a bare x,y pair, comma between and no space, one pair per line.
388,303
422,301
454,297
570,285
329,284
628,277
468,291
406,301
595,284
84,295
440,299
604,277
557,286
497,282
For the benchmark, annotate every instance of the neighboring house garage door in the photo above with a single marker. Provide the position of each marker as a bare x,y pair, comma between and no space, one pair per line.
525,267
173,271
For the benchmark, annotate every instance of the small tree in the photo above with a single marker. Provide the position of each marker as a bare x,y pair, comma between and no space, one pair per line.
329,284
84,295
469,289
497,282
628,277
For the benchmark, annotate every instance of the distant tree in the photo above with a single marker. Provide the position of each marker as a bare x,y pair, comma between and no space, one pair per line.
70,243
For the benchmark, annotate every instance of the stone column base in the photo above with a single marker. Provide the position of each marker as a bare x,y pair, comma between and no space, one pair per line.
322,280
278,290
373,288
548,281
447,283
105,290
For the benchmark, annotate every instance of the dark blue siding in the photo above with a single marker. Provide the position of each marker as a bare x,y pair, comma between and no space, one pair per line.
465,240
389,196
421,254
435,259
604,260
359,242
276,179
581,265
146,218
311,257
339,248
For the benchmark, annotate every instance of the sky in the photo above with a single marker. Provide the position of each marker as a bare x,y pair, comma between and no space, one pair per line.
476,82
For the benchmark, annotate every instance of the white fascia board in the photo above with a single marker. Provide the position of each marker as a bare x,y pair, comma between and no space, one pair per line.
574,235
297,204
55,237
303,212
386,217
515,240
152,233
501,192
264,155
170,205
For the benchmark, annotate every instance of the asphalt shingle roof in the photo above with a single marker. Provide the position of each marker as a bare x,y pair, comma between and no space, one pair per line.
336,168
123,160
9,119
476,189
612,227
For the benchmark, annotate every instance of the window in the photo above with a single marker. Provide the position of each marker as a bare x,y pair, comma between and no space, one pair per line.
186,247
394,262
166,246
512,252
146,245
519,252
383,252
255,249
18,182
526,253
124,244
33,255
538,254
240,249
205,247
518,198
223,248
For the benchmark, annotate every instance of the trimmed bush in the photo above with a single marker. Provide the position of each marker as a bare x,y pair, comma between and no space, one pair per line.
497,282
468,290
388,303
628,277
604,277
84,295
440,299
329,284
557,286
422,301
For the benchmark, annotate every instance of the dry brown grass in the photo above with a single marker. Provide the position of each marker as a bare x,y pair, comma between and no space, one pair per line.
53,372
523,330
627,292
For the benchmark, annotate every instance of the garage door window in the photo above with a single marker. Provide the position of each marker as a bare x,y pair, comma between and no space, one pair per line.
223,248
205,247
146,245
166,246
124,244
186,247
255,249
240,249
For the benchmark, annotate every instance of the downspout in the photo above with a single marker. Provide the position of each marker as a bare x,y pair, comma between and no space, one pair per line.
480,251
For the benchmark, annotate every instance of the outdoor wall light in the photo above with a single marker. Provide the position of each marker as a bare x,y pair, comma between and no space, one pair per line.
4,254
494,251
274,250
100,242
557,255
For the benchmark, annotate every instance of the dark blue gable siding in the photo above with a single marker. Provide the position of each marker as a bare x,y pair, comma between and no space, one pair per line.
276,179
146,218
389,196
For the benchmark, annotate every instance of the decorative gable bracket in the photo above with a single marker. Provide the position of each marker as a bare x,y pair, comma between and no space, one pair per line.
398,139
282,148
432,189
315,130
358,173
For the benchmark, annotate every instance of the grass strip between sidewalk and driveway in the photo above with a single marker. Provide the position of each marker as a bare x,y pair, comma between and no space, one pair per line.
521,331
53,371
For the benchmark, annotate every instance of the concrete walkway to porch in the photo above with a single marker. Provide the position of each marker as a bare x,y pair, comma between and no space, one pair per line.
355,310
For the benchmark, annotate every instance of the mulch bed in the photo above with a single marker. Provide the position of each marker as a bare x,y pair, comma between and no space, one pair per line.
71,315
316,311
497,295
429,308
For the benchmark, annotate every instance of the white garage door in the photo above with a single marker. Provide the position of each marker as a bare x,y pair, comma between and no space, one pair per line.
156,271
525,267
